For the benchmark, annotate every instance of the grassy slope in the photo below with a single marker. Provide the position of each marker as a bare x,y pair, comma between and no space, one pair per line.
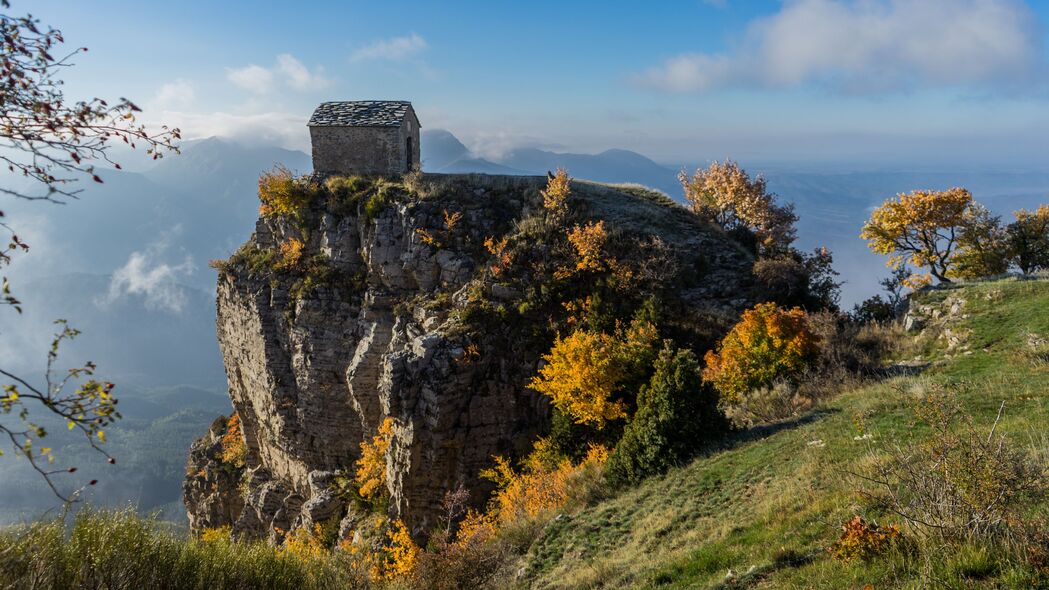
773,499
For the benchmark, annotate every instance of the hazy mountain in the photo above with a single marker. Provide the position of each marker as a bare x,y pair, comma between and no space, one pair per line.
614,166
443,152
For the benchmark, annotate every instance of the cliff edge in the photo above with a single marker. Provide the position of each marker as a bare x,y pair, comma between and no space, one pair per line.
426,300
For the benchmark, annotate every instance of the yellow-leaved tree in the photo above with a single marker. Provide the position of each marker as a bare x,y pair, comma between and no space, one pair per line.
558,189
281,193
584,371
767,344
371,466
726,194
920,229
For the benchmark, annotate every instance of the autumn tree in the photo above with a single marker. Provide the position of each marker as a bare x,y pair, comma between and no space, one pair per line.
371,466
983,248
584,371
766,345
726,194
558,189
1028,239
54,143
922,229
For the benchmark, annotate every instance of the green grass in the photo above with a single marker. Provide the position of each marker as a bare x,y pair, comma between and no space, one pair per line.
121,550
769,503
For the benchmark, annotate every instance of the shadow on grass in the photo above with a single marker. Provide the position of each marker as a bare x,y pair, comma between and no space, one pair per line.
762,431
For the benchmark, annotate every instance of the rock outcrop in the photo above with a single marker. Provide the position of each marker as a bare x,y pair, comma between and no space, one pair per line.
384,315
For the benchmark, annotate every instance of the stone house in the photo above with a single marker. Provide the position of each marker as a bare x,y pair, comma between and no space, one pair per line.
365,137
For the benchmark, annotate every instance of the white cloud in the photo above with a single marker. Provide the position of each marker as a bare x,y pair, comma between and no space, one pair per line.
869,46
174,95
252,78
394,49
287,130
299,76
288,71
145,275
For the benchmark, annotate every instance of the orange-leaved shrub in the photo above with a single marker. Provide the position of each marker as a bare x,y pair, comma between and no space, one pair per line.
864,540
558,189
464,557
589,244
584,371
399,554
766,345
234,450
503,256
371,466
545,483
290,254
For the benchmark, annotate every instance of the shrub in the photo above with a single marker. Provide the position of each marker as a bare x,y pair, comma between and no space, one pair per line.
304,543
371,466
589,244
545,483
281,193
290,254
791,277
467,559
767,404
766,345
864,540
217,534
399,554
962,483
558,189
584,371
234,450
1028,239
676,415
873,309
377,201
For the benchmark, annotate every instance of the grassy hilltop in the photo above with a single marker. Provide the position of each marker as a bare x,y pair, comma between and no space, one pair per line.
770,504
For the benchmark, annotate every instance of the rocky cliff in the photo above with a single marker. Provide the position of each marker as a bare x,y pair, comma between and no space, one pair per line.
424,301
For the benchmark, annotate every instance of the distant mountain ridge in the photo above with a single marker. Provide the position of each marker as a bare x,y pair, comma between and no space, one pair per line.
443,152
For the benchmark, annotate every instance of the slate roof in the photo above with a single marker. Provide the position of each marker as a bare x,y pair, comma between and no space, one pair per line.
360,113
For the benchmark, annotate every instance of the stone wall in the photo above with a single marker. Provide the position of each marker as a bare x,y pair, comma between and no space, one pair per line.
366,150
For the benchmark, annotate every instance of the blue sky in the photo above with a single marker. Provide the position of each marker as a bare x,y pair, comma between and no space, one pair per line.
881,81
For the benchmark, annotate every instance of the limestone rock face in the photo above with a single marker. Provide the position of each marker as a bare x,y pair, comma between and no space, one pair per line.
315,365
211,484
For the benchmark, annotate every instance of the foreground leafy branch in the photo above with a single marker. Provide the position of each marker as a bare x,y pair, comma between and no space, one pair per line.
53,142
87,407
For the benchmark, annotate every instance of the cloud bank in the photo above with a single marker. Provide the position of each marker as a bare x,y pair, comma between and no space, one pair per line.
869,47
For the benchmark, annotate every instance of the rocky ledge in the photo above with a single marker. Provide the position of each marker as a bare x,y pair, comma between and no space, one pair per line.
384,299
